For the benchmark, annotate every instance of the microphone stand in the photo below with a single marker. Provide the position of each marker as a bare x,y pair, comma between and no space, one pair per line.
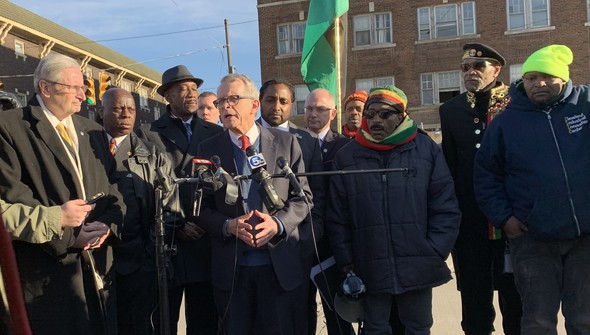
336,172
161,256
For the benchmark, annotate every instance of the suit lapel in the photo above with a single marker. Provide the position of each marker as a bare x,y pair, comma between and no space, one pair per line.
268,148
48,135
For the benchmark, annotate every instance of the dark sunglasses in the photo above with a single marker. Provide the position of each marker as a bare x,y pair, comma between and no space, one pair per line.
479,65
384,114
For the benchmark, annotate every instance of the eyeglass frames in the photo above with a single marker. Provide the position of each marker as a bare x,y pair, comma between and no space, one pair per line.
74,88
478,65
384,114
232,100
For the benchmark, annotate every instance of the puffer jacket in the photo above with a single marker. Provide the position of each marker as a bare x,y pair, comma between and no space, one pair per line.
534,164
397,228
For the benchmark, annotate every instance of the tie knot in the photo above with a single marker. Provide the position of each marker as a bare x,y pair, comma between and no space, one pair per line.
245,142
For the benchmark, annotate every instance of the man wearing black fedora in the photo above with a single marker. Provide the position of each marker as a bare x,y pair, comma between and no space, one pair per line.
179,132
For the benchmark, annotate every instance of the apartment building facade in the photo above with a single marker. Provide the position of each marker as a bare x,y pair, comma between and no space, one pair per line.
25,38
417,44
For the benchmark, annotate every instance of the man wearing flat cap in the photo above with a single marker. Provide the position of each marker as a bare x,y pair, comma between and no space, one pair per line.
532,181
179,132
393,229
478,255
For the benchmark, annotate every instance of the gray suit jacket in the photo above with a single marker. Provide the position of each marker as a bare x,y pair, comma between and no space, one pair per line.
285,254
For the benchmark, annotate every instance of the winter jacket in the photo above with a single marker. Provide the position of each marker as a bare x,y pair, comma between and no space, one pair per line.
397,228
533,164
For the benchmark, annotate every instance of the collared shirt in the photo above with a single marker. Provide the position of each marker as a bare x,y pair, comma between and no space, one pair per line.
118,140
253,133
283,126
322,135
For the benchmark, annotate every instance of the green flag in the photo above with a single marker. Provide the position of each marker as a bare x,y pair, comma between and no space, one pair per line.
318,61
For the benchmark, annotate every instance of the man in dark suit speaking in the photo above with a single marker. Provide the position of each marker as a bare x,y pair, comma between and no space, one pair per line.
49,155
257,271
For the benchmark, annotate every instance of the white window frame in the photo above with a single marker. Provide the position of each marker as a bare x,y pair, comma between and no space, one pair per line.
368,83
434,82
293,41
20,53
301,93
143,98
378,34
515,72
587,10
156,112
524,10
126,85
464,20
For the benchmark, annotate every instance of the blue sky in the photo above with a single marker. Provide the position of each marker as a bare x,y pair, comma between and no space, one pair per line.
201,49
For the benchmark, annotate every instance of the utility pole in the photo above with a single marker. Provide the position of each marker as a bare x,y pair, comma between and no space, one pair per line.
230,67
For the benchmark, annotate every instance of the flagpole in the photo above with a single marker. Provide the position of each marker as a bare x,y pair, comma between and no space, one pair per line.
338,75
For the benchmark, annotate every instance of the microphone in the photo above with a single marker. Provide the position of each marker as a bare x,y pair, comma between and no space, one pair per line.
269,195
283,163
202,171
231,188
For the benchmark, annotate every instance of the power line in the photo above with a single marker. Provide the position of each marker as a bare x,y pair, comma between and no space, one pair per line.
164,34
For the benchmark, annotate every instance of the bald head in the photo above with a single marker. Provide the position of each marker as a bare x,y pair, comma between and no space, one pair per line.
118,112
320,110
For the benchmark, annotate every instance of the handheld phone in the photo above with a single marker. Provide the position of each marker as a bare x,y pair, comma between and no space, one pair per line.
95,198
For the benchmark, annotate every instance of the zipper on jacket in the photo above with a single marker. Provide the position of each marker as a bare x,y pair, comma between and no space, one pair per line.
567,183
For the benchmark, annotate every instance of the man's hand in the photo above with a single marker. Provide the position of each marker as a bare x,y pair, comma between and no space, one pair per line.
92,235
190,232
241,228
513,227
266,229
74,212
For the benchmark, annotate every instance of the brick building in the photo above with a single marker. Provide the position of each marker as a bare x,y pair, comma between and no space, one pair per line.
26,37
417,45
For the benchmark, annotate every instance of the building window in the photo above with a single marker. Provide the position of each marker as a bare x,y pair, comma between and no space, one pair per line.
290,38
527,14
156,112
439,87
515,72
368,84
446,21
19,49
143,99
587,10
22,97
372,29
301,92
126,86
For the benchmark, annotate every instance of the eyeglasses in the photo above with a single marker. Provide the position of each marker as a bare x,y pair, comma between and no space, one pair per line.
318,109
384,114
232,100
479,65
74,88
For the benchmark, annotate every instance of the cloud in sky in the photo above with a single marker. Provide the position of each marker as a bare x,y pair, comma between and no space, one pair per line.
202,50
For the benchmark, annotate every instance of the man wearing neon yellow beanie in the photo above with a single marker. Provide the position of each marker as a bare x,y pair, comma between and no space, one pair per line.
531,179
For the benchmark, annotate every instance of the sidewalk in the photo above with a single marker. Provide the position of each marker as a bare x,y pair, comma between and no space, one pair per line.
446,310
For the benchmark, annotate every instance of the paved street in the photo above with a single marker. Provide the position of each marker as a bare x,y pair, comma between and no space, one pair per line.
446,306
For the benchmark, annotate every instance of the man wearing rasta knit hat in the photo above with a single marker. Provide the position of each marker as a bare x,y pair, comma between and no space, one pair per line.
478,255
353,108
531,179
395,229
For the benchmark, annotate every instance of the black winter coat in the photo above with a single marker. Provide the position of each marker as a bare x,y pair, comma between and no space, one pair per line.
397,228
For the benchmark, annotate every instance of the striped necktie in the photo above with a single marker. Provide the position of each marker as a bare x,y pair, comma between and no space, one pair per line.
113,147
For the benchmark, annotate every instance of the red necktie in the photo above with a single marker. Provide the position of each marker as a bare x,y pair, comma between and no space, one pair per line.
245,142
113,147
